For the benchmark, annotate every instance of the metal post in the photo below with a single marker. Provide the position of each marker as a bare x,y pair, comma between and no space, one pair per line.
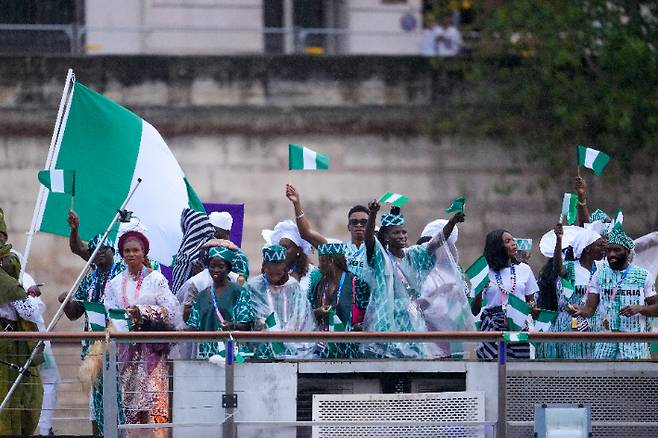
501,426
110,382
228,401
289,24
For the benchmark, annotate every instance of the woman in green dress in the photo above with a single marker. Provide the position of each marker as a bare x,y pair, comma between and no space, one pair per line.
224,306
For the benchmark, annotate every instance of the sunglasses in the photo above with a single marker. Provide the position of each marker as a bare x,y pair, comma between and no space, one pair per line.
355,222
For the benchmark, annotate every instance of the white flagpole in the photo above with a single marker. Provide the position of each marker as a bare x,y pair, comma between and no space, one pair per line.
60,124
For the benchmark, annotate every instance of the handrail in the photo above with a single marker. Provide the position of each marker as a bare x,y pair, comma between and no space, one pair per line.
358,337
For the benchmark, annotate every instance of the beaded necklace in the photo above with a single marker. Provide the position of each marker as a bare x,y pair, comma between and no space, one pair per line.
499,283
124,286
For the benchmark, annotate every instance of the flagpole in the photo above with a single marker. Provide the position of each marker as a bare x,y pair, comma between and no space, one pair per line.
60,124
60,311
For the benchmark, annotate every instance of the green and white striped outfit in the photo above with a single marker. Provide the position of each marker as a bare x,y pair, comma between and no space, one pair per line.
633,291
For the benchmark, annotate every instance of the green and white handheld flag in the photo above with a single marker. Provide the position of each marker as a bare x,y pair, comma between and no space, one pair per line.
514,337
95,316
394,198
567,288
523,244
457,206
272,324
570,207
592,159
618,218
517,312
109,148
58,180
335,324
119,320
544,320
303,158
478,273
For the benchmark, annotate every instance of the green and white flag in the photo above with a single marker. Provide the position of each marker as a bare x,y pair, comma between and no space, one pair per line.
517,312
272,324
567,288
514,337
394,198
478,273
618,218
335,324
592,159
303,158
58,180
119,320
457,206
109,148
570,207
95,316
544,320
523,244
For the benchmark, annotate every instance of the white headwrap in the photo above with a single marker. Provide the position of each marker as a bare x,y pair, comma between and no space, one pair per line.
436,226
576,237
221,220
286,230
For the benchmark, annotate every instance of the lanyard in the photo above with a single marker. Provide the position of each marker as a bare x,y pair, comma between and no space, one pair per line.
214,303
616,288
338,292
357,253
270,301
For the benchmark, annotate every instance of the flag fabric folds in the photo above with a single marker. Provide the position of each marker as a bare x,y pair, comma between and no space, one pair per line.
570,207
517,312
457,206
592,159
95,316
109,148
272,324
58,180
567,288
478,273
394,198
544,320
303,158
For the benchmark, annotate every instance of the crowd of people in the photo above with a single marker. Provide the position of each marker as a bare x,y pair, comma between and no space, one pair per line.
595,279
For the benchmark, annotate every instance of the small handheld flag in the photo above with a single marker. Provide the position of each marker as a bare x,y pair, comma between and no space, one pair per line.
58,180
567,288
592,159
394,198
273,326
523,244
303,158
478,273
514,337
119,319
544,320
457,206
517,312
618,218
95,316
569,207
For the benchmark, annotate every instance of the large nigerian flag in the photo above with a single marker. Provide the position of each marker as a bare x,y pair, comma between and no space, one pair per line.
109,148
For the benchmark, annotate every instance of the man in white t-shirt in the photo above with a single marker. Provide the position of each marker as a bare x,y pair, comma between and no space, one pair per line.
448,39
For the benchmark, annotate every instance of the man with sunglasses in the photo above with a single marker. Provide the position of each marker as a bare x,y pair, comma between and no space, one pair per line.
357,218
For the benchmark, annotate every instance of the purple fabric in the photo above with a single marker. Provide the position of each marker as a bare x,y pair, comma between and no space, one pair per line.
237,213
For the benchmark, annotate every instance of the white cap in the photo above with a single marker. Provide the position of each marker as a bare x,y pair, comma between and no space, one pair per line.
221,220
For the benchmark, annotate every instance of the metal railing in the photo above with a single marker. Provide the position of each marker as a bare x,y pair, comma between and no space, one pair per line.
230,424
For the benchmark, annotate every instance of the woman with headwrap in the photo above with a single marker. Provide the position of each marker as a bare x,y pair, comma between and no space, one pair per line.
589,249
17,313
224,306
395,275
286,234
279,303
443,296
144,295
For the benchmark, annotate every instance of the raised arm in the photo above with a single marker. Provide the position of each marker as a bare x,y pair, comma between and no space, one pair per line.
558,266
305,230
581,191
76,244
441,237
374,207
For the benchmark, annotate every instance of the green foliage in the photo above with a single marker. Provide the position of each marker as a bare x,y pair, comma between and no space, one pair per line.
554,74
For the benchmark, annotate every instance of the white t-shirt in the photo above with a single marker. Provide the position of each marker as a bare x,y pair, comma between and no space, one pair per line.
648,289
526,284
450,42
428,41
